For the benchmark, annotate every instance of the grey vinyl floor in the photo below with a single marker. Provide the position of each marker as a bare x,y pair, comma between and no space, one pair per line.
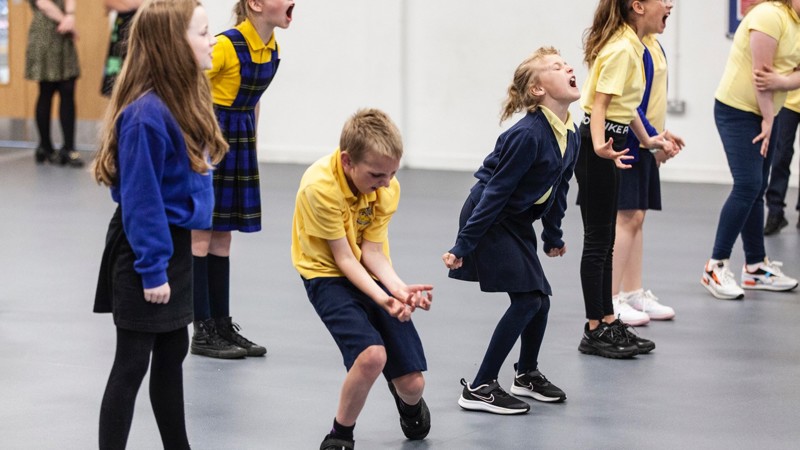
724,375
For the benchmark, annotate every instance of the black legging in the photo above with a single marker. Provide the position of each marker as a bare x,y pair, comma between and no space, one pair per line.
526,317
166,386
598,183
66,112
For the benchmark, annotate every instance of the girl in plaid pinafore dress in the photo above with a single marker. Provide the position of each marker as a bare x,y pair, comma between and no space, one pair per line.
236,182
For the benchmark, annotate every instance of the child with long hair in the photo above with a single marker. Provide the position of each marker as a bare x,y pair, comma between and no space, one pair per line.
613,51
524,179
639,191
761,68
158,142
245,61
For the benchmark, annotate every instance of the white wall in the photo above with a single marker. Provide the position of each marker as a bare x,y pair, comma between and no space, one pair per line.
441,68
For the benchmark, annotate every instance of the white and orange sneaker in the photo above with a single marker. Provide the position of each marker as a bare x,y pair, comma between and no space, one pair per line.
767,276
719,281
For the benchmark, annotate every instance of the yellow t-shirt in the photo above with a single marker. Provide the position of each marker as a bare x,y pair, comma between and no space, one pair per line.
326,209
224,72
793,101
618,71
779,22
657,107
560,131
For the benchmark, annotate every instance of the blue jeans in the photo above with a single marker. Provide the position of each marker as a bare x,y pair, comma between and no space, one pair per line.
743,211
783,133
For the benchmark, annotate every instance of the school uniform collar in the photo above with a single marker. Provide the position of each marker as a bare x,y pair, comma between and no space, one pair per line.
559,127
793,15
253,39
341,179
629,34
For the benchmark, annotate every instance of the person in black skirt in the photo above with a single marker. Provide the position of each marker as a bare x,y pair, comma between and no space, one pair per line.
118,41
158,139
524,179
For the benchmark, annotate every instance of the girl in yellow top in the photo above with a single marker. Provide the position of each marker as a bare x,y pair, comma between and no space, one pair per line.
613,50
762,67
245,61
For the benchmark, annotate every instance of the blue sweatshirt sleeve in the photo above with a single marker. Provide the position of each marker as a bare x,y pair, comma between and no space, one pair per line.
142,151
517,153
551,221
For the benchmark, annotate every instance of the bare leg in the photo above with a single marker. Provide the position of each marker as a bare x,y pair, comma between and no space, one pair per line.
632,280
409,387
358,382
629,224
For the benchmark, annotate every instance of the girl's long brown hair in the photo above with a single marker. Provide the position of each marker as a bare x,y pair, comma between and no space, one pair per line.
609,16
520,97
160,60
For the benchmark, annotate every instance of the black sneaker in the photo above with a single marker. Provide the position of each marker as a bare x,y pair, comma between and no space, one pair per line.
774,224
418,426
335,443
230,332
644,345
490,398
535,385
207,342
607,341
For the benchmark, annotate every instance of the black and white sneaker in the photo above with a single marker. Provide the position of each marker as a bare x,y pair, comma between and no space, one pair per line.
332,442
607,341
535,385
415,427
490,398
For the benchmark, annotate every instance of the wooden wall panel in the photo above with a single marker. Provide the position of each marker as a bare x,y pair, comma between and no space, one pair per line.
17,99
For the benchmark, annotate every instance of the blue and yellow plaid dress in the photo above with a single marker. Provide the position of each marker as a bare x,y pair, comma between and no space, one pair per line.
236,183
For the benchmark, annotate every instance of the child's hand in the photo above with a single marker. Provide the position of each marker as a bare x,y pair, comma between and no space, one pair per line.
398,309
451,262
765,79
676,140
607,151
419,296
158,294
557,251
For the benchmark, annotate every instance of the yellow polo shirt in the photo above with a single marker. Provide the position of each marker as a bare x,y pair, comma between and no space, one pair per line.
779,22
224,72
560,131
657,107
618,71
793,101
326,209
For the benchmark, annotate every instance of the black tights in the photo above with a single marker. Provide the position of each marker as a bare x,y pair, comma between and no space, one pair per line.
166,386
66,112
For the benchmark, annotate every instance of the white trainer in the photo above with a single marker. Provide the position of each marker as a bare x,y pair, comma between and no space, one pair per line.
719,281
624,312
767,276
647,302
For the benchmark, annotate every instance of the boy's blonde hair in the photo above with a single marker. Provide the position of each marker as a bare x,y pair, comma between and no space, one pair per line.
161,60
520,97
370,131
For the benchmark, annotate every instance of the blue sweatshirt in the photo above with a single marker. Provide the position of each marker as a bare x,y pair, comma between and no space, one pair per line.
156,185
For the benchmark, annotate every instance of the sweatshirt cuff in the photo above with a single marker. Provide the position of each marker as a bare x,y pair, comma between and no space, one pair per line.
155,279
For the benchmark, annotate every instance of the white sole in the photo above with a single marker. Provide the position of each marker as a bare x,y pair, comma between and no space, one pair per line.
473,405
534,395
717,294
769,287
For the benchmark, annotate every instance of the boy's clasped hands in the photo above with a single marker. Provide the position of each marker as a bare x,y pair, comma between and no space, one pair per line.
407,299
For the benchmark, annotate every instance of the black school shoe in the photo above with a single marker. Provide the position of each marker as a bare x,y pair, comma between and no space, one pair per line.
490,398
230,332
334,443
775,222
607,341
418,426
207,342
536,386
67,157
643,345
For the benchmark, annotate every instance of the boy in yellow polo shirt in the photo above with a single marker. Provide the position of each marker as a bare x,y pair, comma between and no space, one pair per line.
340,247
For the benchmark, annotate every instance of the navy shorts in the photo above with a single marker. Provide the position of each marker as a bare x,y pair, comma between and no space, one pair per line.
356,322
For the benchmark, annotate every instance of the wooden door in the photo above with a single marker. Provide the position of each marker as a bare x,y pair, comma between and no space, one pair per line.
18,97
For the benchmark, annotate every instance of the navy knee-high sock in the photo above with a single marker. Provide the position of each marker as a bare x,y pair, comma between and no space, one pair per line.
202,309
219,275
518,315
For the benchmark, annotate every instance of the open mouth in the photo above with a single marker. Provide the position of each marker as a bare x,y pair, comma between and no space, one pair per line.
664,19
289,12
573,82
